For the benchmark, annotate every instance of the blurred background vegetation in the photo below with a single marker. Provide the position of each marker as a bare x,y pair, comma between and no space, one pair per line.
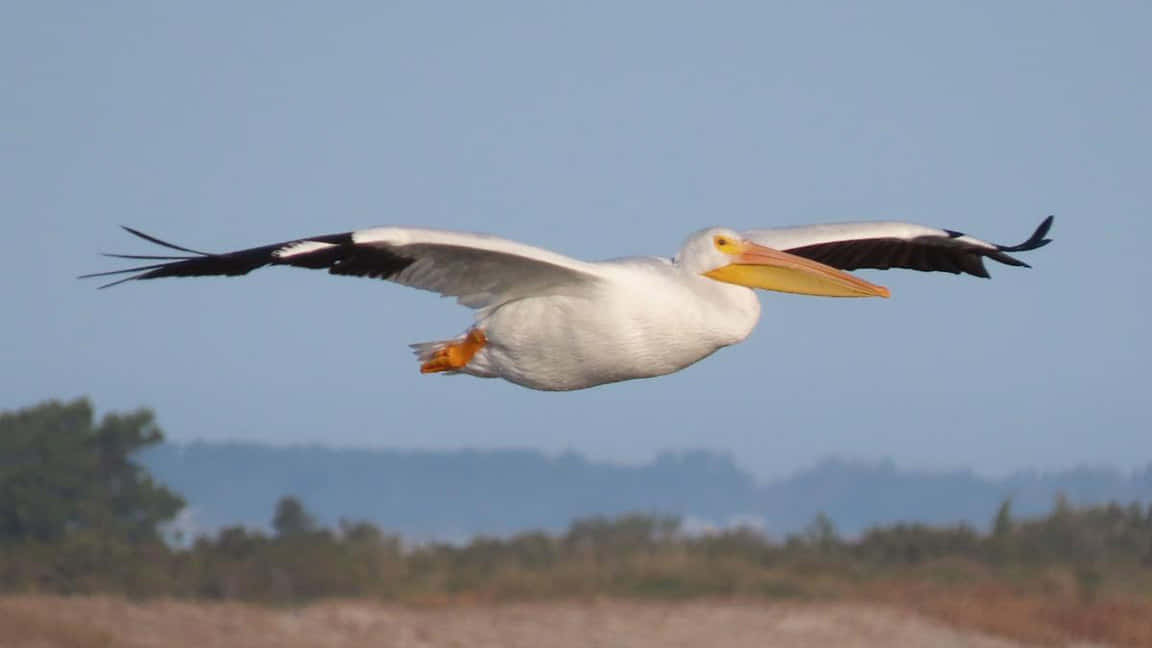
79,515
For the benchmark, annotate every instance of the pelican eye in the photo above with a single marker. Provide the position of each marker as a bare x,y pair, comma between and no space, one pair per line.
723,243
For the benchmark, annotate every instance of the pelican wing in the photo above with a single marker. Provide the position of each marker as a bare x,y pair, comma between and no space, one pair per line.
883,245
479,270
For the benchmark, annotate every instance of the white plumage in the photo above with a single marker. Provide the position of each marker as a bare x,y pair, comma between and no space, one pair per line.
547,321
480,270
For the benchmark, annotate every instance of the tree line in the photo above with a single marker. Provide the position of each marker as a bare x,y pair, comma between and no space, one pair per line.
78,515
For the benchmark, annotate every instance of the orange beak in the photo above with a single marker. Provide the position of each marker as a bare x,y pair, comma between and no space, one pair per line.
757,266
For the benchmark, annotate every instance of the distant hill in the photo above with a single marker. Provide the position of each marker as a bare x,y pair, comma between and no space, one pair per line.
856,495
460,493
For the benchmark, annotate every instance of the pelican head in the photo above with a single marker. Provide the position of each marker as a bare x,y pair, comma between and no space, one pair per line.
724,255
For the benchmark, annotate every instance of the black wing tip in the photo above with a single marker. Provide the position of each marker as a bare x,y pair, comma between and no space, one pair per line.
153,239
1037,240
117,282
109,273
141,272
146,257
144,272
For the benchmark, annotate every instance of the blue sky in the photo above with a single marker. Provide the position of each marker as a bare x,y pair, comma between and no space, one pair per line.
598,130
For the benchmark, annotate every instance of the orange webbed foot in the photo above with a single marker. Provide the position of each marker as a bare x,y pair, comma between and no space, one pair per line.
452,357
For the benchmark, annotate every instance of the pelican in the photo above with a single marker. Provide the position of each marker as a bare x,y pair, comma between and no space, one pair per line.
549,322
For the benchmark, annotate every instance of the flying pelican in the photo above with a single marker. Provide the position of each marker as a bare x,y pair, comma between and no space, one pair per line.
550,322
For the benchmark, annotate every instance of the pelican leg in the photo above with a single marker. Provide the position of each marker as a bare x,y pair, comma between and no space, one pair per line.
453,356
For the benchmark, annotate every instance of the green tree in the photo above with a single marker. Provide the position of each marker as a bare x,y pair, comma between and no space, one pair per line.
291,520
1002,525
821,533
621,534
62,474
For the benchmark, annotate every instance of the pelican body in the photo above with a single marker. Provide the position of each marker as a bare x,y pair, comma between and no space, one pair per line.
644,318
549,322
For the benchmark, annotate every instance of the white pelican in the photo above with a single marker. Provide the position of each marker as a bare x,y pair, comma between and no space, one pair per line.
547,321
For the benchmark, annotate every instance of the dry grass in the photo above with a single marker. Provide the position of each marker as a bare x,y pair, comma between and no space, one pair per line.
1054,618
90,622
950,603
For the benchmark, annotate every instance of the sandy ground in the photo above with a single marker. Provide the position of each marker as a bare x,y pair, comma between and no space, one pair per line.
51,622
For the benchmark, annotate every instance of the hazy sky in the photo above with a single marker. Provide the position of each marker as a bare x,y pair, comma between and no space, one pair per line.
598,130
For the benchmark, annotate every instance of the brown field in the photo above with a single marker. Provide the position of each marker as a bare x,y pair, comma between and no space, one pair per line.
1050,619
101,621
